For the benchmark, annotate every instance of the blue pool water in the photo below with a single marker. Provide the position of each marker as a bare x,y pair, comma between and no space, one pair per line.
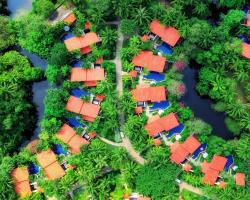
33,169
165,49
79,93
158,77
76,63
58,149
66,36
201,149
177,130
74,122
230,162
163,105
244,39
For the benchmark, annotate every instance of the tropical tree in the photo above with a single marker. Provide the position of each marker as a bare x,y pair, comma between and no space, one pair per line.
141,16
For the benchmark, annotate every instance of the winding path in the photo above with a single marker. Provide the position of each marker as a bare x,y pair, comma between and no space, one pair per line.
125,140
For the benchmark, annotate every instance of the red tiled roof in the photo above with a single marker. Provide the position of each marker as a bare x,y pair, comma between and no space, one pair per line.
92,134
88,25
52,169
165,123
191,144
65,133
240,179
157,142
205,167
174,146
133,73
218,163
150,61
32,146
179,155
70,18
211,176
100,97
90,83
89,119
245,50
75,43
248,20
74,104
222,184
99,61
187,167
76,143
153,118
85,50
168,34
145,38
89,75
138,110
153,94
90,110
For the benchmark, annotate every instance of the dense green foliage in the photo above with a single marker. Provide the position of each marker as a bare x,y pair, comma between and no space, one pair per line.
7,34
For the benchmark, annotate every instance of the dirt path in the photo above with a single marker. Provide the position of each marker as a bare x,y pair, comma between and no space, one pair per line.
184,185
125,140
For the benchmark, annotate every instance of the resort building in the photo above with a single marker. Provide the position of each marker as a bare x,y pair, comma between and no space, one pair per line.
240,179
52,169
82,43
89,76
70,18
158,125
168,35
213,169
20,177
245,50
150,61
179,152
89,111
68,135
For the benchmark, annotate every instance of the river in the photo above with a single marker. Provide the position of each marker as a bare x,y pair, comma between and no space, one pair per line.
39,89
201,106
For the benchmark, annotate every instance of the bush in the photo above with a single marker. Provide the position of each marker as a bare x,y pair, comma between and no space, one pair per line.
128,27
43,8
232,126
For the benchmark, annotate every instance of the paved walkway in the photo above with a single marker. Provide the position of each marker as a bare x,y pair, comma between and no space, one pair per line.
125,140
184,185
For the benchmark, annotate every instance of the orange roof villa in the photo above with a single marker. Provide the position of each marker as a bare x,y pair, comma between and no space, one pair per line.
245,50
167,34
89,76
20,177
181,151
150,61
82,42
165,123
68,135
144,93
88,110
70,18
52,169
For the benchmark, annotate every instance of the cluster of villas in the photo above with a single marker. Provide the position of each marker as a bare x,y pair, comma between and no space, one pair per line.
149,98
53,162
164,128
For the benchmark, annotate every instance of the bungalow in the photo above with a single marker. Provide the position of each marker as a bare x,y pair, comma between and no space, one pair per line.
246,20
68,135
52,169
213,169
144,93
167,34
20,177
166,123
150,61
240,179
83,42
179,152
245,50
70,18
88,76
89,111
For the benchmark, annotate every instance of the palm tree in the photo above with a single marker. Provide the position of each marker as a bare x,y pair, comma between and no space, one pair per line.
244,121
241,76
236,109
141,16
109,36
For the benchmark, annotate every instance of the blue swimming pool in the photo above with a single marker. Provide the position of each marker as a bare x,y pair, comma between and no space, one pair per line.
76,63
33,168
74,122
244,39
165,49
158,77
201,149
79,93
229,163
66,36
177,130
163,105
59,149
